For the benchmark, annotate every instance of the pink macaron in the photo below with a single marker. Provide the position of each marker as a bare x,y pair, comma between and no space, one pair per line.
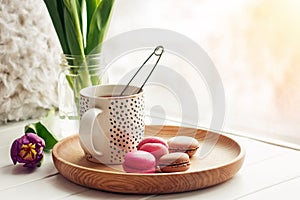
156,149
152,139
139,162
154,145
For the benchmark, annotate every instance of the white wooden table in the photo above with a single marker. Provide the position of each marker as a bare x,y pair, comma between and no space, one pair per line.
269,172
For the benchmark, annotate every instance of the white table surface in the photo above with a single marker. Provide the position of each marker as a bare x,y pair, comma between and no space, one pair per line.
269,172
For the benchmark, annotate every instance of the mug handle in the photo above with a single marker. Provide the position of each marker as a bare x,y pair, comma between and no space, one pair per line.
86,128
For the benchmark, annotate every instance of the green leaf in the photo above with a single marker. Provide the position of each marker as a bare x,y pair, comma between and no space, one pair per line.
44,133
55,10
39,129
84,21
30,128
98,26
90,8
72,17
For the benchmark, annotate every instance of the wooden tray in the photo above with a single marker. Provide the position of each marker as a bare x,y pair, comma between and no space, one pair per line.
222,162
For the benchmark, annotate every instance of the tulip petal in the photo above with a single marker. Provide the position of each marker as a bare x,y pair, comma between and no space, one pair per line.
14,152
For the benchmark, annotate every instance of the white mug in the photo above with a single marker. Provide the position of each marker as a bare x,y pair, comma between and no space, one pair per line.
111,125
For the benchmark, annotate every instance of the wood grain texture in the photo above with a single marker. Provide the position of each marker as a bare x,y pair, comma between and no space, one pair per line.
222,162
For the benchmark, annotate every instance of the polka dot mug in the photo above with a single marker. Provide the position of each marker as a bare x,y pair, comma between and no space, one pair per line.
111,125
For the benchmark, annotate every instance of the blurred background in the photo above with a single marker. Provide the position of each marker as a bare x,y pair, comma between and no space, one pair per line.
254,45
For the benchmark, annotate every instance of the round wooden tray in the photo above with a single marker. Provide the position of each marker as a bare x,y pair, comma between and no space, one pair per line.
223,161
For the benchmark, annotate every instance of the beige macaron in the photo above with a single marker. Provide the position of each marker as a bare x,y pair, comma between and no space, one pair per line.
186,144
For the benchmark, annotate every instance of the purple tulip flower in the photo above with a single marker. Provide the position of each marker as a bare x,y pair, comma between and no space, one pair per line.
28,149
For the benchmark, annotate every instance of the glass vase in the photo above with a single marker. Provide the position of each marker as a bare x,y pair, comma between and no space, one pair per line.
77,73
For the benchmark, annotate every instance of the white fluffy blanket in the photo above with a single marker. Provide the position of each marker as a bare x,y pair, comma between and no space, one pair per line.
29,60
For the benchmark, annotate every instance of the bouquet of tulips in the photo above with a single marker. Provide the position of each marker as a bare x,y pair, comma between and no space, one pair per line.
81,26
